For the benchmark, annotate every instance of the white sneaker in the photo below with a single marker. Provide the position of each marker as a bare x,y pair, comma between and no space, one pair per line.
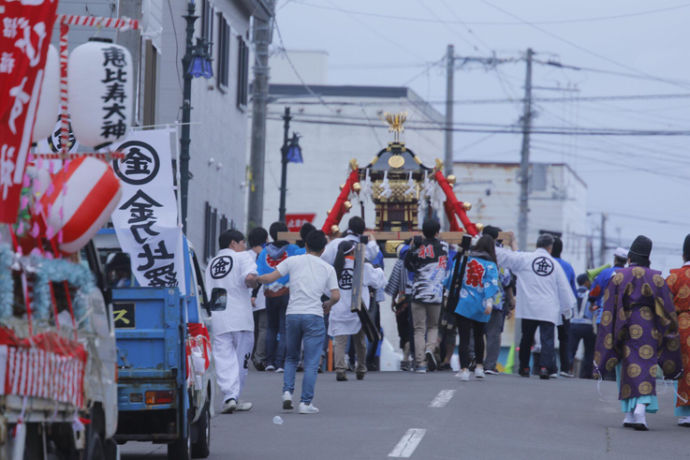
270,368
684,421
244,406
229,406
287,401
279,370
479,372
307,408
463,375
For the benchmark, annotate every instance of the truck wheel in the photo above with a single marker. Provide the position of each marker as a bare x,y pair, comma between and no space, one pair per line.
110,449
181,449
94,447
33,445
201,448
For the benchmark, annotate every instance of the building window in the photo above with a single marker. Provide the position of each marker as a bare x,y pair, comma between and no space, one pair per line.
210,231
223,53
242,72
150,77
223,223
207,21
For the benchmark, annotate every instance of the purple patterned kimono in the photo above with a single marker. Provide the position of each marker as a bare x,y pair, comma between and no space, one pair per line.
639,329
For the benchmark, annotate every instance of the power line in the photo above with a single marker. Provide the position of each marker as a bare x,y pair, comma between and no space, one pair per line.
507,129
573,129
433,13
322,101
648,219
581,48
682,157
491,23
638,75
376,32
492,101
628,166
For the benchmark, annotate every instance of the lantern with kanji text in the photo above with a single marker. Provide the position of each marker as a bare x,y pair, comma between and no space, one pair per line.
100,92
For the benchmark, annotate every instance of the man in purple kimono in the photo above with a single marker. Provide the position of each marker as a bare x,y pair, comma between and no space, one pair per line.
638,334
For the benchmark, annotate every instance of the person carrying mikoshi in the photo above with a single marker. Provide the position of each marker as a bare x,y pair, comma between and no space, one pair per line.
638,334
343,323
679,284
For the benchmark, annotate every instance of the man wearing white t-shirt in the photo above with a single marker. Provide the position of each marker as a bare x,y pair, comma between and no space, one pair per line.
232,269
310,278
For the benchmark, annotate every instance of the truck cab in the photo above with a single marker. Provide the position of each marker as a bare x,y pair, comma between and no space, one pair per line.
166,376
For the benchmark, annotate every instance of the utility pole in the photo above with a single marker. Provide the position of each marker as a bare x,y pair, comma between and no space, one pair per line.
283,163
185,140
524,177
262,31
602,242
450,73
452,61
524,156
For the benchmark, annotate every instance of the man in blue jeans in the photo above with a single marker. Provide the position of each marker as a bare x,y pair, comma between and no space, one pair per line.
277,295
310,278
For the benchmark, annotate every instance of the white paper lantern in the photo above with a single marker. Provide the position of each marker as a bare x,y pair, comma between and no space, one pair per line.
49,103
100,81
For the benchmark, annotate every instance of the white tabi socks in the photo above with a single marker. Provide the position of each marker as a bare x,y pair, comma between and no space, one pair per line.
684,421
628,420
639,420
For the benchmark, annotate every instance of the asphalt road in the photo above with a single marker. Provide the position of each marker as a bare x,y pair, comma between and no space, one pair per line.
435,416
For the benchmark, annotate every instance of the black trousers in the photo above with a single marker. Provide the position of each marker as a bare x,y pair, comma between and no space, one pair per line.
529,327
584,332
467,327
564,346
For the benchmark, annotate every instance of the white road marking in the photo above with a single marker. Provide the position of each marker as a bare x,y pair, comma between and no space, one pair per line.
408,443
442,398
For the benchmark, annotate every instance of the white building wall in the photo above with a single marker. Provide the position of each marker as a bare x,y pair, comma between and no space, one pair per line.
312,66
493,190
328,148
219,128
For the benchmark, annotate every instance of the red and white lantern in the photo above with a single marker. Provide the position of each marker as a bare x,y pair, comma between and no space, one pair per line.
100,92
84,196
49,103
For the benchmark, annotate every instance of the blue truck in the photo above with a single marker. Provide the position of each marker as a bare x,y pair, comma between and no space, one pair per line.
166,375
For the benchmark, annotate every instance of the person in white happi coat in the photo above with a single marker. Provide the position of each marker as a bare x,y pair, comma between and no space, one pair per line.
543,295
343,323
355,229
232,269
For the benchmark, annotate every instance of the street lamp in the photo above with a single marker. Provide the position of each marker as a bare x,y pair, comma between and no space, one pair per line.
290,152
196,62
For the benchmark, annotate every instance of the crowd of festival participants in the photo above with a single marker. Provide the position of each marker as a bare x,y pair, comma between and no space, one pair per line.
285,300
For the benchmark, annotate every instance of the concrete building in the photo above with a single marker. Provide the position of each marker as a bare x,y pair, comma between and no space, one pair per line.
220,111
557,202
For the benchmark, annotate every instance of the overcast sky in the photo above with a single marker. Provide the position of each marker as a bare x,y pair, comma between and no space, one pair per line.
631,47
